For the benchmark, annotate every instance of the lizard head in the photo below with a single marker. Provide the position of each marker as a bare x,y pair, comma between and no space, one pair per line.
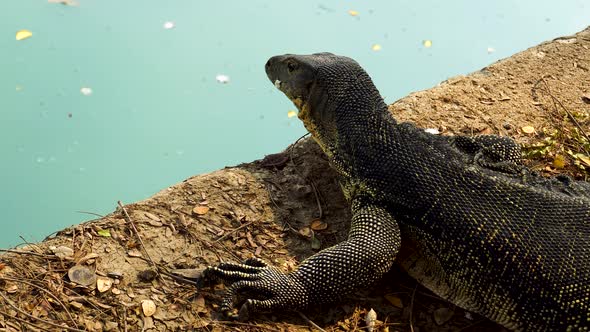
320,85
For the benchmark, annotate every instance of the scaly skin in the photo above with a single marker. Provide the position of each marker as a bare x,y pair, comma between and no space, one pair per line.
461,215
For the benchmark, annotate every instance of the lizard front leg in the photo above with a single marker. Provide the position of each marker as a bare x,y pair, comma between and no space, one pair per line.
367,254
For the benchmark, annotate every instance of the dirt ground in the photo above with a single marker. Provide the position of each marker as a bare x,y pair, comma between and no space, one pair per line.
121,272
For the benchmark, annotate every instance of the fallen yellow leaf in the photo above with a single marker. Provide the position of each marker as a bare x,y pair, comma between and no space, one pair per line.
427,43
291,113
376,47
353,13
23,34
528,129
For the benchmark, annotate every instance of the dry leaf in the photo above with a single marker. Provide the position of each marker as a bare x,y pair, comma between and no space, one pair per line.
103,284
305,231
427,43
251,240
151,216
353,13
134,253
148,307
62,252
370,320
396,301
76,305
11,288
199,304
318,225
291,113
90,256
528,129
376,47
201,209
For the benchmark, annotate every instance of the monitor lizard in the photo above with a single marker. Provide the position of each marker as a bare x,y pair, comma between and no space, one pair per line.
460,214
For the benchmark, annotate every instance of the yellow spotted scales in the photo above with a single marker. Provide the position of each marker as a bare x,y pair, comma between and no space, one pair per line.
460,214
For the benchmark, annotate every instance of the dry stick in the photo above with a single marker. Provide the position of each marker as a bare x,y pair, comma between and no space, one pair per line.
310,322
151,261
37,318
46,291
91,213
233,231
412,308
315,190
571,116
26,253
24,321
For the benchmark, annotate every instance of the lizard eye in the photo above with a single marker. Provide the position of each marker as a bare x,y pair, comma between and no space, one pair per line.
291,66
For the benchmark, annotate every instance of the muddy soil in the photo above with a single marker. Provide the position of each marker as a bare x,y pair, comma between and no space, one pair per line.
116,273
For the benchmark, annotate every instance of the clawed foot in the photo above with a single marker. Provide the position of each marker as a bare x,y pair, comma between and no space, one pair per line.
265,288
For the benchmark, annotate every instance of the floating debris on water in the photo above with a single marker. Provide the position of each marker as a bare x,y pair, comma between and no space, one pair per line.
169,25
86,91
353,13
427,43
491,50
291,113
376,47
65,2
222,78
23,34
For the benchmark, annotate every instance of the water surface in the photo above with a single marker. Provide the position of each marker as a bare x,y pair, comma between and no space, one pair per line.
157,114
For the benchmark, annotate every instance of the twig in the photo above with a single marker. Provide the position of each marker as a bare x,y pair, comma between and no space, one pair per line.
125,318
23,321
37,318
566,110
178,278
310,322
91,213
46,291
233,231
151,261
315,190
412,308
26,253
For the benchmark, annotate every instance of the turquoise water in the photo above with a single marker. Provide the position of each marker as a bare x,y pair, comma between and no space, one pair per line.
157,114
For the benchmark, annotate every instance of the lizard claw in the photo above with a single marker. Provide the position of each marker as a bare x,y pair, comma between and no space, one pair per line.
264,287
